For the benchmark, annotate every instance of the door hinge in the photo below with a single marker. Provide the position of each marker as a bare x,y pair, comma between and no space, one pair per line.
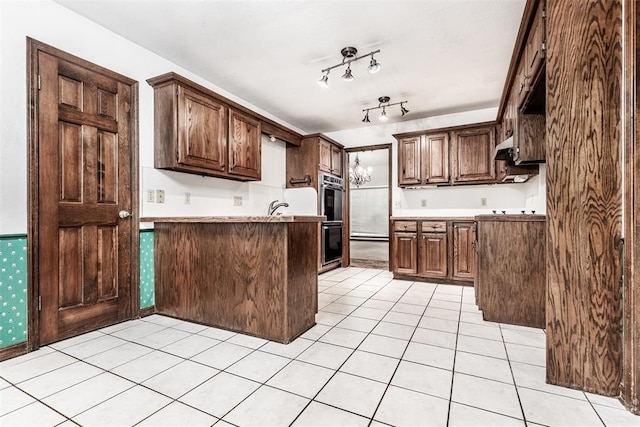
543,13
39,303
39,82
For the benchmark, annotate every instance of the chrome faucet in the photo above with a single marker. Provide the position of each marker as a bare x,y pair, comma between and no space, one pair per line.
273,206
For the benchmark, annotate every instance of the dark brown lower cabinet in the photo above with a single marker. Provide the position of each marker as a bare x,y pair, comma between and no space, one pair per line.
464,255
406,248
432,253
436,249
510,281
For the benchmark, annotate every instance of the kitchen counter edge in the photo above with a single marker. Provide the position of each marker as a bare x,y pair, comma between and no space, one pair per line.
237,219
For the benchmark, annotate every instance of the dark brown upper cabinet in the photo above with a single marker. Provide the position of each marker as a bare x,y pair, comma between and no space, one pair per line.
423,160
244,145
196,131
472,152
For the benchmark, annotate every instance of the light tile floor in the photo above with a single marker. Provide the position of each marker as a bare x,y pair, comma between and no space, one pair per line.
384,352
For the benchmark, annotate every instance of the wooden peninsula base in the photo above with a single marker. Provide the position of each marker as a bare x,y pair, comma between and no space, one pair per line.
255,275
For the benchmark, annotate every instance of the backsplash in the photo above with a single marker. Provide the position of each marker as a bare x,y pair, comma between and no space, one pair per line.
13,290
147,287
13,284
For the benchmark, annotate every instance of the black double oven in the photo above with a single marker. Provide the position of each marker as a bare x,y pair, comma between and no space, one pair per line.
331,206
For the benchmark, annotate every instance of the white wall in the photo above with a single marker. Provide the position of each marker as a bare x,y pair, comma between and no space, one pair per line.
445,201
51,23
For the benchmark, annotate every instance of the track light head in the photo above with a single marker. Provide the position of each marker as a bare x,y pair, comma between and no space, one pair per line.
374,66
366,117
324,81
347,76
403,110
383,115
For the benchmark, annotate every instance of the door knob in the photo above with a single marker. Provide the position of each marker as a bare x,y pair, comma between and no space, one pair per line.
124,214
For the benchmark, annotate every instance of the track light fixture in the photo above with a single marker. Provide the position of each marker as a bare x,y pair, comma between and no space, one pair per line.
349,55
383,102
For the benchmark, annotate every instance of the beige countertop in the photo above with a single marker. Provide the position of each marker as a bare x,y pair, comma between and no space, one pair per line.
236,219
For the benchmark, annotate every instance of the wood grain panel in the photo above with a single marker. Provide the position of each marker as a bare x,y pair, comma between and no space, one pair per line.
510,271
630,386
202,136
433,255
245,145
70,162
70,93
435,158
409,156
70,289
472,155
107,104
584,194
89,256
107,167
463,263
255,278
107,260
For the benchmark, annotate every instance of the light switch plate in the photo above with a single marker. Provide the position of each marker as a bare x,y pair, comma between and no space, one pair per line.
237,200
150,196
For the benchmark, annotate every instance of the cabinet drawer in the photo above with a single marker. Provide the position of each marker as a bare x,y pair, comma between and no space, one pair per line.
405,226
434,226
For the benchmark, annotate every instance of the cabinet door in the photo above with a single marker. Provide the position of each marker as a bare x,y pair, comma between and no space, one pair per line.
432,255
202,137
472,155
405,253
336,160
534,53
464,262
409,150
530,145
324,149
435,157
245,144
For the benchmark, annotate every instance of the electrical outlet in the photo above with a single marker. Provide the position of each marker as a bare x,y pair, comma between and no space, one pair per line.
483,201
159,196
423,203
187,198
237,200
397,204
150,196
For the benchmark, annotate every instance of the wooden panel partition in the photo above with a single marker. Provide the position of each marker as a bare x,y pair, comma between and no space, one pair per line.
584,198
630,387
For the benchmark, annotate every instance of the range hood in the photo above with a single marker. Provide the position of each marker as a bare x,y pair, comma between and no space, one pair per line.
504,150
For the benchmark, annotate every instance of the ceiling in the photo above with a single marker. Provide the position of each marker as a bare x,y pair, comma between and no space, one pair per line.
441,56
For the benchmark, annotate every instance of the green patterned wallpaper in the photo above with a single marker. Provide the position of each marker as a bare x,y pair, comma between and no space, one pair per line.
13,284
13,290
147,288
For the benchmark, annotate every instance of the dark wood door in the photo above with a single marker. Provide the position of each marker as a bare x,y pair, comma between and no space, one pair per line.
464,257
405,253
324,150
202,131
432,255
409,172
336,160
472,155
245,145
85,170
435,157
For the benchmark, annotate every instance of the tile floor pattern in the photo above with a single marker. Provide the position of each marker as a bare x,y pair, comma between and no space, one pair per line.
384,352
